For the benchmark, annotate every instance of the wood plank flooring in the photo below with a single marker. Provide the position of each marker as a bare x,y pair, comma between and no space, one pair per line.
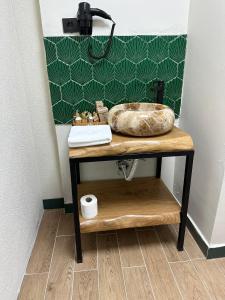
126,264
61,271
85,285
33,287
41,255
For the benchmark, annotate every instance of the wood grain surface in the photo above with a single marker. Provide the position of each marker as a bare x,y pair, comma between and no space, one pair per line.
66,224
130,251
42,252
122,204
33,287
213,277
188,281
85,285
194,279
111,285
161,276
60,280
137,284
175,140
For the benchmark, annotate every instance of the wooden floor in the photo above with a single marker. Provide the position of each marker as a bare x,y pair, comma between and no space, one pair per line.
128,264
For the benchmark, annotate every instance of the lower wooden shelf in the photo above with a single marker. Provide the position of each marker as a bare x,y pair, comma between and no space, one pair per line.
121,204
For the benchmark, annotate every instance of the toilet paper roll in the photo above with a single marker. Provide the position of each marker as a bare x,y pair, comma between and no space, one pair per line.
89,206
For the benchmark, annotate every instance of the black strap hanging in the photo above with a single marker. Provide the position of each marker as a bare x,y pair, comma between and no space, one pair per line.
83,24
107,48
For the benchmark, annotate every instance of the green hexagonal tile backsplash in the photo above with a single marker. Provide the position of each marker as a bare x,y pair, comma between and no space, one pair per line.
126,75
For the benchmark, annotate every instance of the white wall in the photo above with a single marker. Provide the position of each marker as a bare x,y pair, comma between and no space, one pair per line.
28,151
132,17
202,115
32,55
218,233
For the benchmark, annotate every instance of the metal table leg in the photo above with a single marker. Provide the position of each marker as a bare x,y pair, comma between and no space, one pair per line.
185,199
159,86
74,182
158,167
78,172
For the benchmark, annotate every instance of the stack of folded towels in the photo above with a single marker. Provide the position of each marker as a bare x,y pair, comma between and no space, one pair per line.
82,136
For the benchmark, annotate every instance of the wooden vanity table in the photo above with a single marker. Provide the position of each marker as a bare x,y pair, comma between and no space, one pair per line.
141,202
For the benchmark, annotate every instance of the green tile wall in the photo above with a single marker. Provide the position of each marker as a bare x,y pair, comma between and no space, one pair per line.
126,75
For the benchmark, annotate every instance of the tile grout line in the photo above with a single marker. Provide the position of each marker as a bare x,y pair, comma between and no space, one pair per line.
72,284
30,274
157,235
73,268
198,258
178,261
25,273
87,270
145,265
97,263
51,257
121,265
202,281
142,266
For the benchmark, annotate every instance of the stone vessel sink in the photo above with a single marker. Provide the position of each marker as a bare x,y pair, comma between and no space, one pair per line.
141,119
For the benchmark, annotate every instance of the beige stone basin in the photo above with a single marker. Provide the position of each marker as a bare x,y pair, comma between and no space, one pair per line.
141,119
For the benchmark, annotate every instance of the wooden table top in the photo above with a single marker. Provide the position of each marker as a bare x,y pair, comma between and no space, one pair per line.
175,140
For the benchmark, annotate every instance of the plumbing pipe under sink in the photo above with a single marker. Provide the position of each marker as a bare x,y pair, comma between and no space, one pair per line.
123,166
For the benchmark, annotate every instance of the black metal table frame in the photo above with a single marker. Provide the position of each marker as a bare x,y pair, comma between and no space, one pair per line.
75,180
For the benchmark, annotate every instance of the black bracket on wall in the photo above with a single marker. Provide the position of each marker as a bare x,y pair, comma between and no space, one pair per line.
84,20
70,25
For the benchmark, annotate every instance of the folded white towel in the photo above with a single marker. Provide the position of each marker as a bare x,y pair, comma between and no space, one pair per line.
81,136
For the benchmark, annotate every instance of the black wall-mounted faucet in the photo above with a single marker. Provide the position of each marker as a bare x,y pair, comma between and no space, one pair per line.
159,86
